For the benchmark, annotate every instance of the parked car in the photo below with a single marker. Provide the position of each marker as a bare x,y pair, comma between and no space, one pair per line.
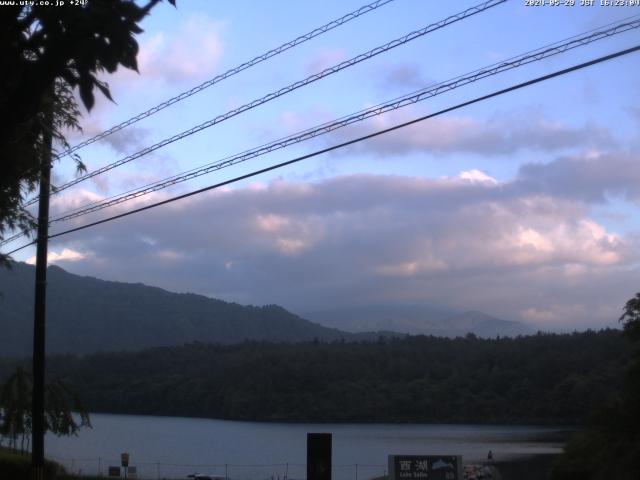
204,476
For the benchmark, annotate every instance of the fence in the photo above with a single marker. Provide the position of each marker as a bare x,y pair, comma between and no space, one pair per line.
174,471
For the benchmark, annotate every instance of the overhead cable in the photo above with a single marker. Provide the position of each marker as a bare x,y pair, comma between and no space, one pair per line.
231,72
415,97
285,90
345,144
541,53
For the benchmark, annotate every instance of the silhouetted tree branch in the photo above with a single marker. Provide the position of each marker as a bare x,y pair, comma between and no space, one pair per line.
61,48
60,406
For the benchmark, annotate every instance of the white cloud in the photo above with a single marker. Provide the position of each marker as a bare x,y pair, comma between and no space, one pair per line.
582,242
66,255
468,244
192,53
271,222
186,54
530,238
477,176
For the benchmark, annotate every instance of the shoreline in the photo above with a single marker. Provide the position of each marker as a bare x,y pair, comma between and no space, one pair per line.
561,431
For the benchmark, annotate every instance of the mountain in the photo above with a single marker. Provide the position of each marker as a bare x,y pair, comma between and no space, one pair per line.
413,319
416,320
85,314
484,325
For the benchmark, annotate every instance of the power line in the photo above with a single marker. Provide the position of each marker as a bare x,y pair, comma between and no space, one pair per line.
229,73
415,97
537,54
350,142
218,78
285,90
14,237
420,95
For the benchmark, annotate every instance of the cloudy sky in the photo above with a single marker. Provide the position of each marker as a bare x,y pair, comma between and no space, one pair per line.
524,206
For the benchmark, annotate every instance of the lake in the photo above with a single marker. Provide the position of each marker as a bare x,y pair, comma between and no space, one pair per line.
173,447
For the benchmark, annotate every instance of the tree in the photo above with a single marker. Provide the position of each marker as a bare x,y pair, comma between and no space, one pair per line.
610,447
60,405
631,318
15,402
46,53
60,402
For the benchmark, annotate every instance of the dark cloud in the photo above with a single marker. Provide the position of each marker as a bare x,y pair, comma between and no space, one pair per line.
634,112
501,135
323,59
123,142
404,77
128,141
518,250
590,178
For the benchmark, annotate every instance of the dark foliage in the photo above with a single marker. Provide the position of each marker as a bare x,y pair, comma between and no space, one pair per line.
544,378
610,448
17,466
15,409
631,319
45,53
86,315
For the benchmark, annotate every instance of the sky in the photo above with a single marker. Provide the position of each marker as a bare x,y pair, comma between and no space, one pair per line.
524,206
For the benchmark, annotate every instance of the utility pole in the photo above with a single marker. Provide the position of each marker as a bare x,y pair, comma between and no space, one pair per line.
37,407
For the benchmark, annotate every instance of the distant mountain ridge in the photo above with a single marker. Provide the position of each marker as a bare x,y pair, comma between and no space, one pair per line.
86,315
417,320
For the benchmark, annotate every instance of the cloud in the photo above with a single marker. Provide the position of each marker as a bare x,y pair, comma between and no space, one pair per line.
158,165
324,59
537,316
590,178
123,142
405,77
190,54
128,141
69,201
467,242
500,135
73,199
477,176
66,255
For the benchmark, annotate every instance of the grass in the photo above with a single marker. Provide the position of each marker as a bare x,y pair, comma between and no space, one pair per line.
17,466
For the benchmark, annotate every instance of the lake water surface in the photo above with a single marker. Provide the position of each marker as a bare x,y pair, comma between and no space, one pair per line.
173,447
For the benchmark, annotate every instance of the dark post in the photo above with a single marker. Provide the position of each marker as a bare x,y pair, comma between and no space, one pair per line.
37,407
318,456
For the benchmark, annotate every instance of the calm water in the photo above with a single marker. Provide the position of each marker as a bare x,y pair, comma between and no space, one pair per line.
173,447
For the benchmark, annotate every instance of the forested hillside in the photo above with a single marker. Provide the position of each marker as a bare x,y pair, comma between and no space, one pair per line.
86,315
544,378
